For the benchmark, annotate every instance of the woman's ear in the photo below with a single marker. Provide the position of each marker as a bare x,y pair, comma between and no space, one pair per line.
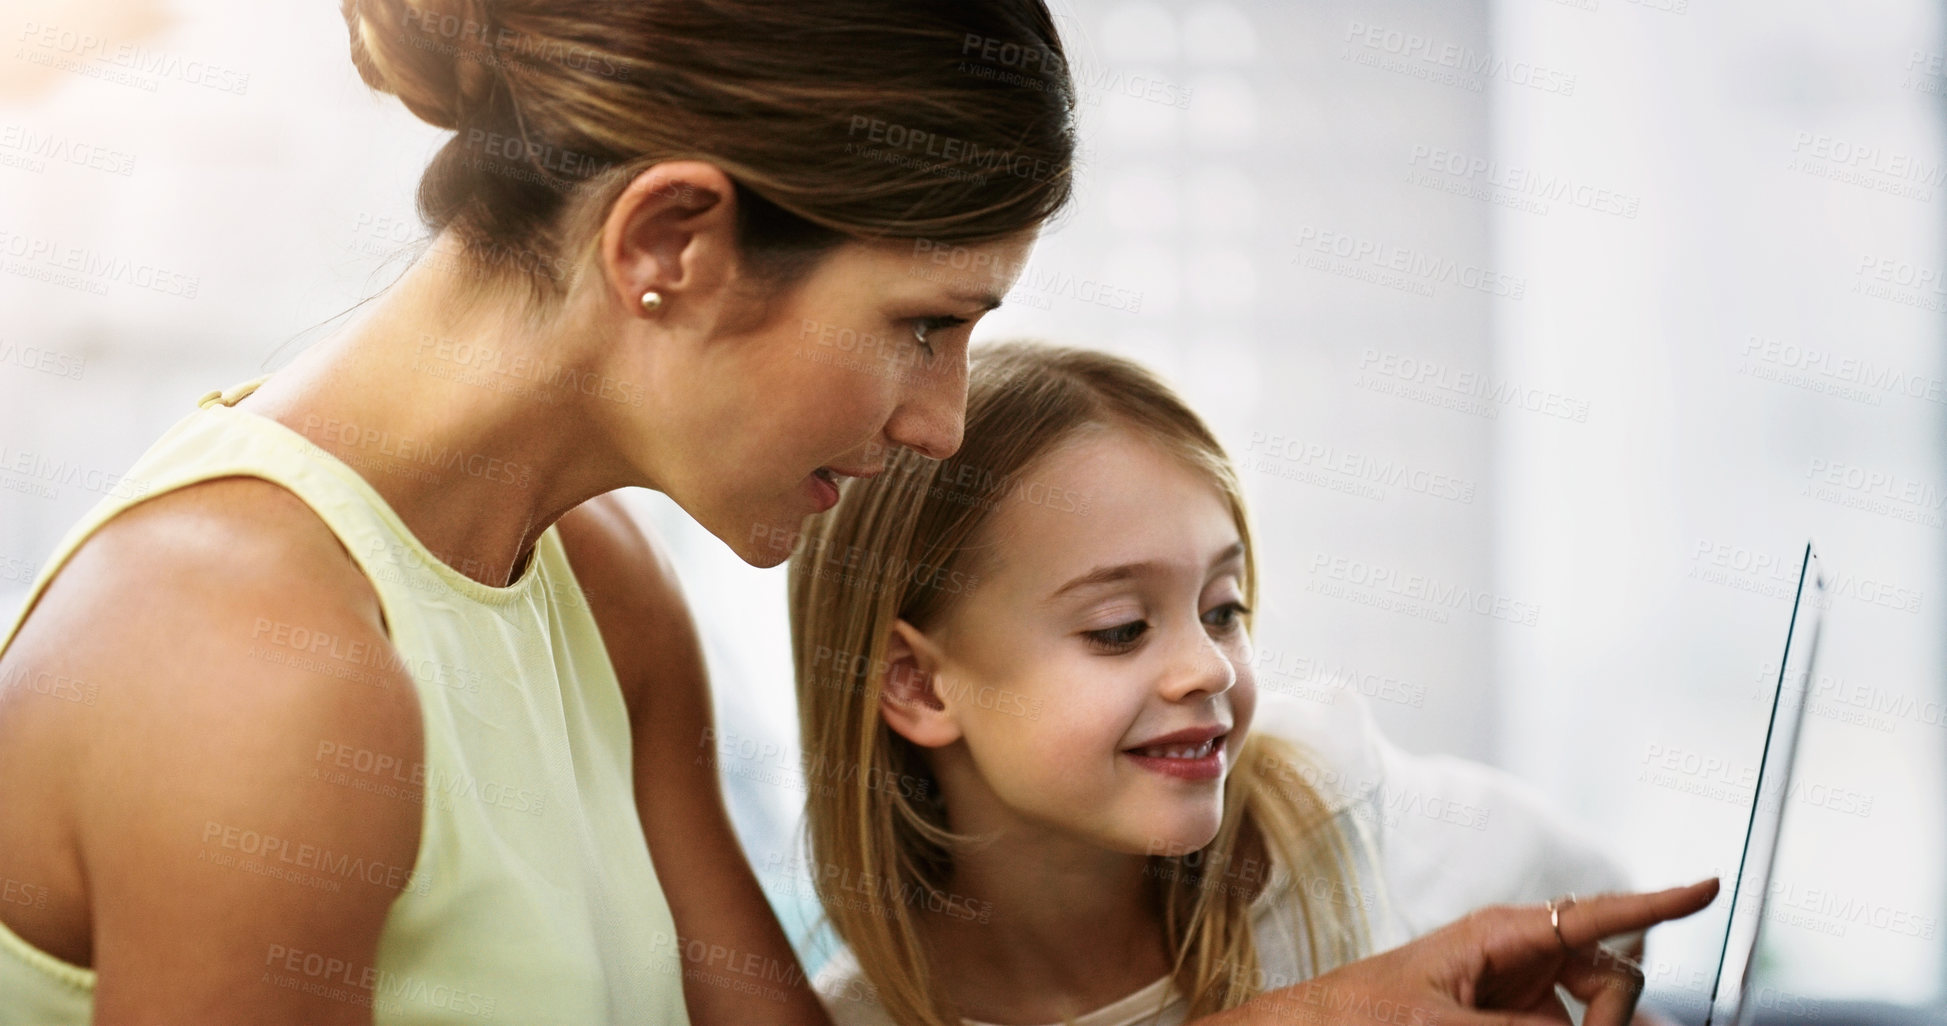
672,230
910,702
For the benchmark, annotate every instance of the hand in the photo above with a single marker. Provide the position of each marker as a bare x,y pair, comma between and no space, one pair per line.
1496,967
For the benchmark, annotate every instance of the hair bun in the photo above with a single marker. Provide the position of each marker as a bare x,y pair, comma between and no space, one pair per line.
431,54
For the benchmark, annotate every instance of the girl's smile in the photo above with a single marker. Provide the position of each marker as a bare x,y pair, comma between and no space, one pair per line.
1196,753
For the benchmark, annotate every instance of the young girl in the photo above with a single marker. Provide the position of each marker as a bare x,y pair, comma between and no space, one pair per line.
1065,798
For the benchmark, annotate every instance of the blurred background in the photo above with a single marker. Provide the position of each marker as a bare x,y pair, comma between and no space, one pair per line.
1545,332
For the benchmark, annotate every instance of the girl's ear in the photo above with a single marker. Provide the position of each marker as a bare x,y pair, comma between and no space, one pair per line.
910,701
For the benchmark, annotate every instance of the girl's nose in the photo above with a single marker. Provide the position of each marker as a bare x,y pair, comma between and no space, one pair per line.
1199,667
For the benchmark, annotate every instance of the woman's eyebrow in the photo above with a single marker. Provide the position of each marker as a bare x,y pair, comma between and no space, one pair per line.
986,300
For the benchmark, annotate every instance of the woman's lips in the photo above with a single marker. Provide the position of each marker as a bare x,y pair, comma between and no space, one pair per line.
823,483
824,488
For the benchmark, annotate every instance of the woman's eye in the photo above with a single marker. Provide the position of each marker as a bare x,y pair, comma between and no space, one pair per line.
1120,636
925,326
1229,616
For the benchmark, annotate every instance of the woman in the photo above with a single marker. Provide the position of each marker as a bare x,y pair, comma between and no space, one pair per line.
377,700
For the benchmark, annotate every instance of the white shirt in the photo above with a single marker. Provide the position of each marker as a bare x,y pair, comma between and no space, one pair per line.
1433,838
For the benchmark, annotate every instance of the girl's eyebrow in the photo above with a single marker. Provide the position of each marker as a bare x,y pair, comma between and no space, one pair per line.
1231,554
1123,571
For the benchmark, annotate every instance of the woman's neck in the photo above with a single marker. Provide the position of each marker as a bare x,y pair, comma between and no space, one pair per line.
1073,927
468,425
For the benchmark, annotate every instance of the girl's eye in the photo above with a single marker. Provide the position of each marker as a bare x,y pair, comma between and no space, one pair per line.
1228,616
1119,637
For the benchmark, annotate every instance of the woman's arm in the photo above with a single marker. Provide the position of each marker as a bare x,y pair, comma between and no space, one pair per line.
1498,966
737,959
196,762
1461,835
1452,835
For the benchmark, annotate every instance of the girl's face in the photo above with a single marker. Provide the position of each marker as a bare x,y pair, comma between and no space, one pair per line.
1096,678
758,425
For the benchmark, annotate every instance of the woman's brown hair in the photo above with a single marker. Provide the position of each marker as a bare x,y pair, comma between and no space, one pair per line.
946,120
907,544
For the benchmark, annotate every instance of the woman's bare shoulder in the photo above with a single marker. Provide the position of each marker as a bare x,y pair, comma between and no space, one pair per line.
228,651
202,562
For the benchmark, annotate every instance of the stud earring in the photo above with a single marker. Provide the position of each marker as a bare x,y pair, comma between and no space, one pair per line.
652,301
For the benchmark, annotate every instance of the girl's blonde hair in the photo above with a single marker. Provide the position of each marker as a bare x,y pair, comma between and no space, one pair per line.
903,545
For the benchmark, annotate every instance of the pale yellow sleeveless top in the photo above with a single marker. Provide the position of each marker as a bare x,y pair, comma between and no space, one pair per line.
533,900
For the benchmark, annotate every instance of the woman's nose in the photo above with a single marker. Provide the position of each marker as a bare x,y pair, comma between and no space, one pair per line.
931,419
